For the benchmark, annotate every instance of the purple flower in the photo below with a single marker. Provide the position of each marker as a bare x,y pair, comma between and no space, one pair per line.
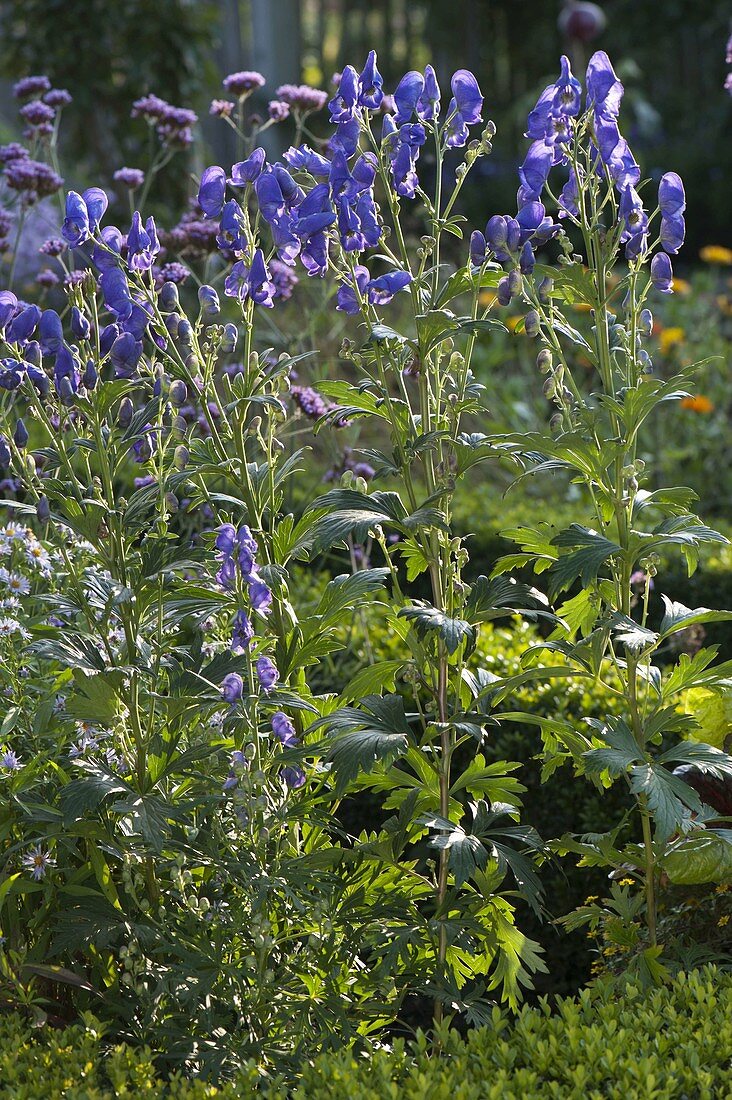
370,84
278,110
8,306
464,109
305,158
125,354
376,291
232,687
534,172
260,595
226,539
662,274
672,201
344,102
242,633
407,95
604,90
503,237
142,244
568,197
37,113
23,325
634,221
31,86
267,673
284,730
231,234
37,861
427,106
241,84
75,229
221,108
302,98
211,191
130,177
294,777
58,98
251,282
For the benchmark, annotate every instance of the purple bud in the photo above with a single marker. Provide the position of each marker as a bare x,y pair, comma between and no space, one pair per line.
209,300
662,274
267,673
43,509
20,435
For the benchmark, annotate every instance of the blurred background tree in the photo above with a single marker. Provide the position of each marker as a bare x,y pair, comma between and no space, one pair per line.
180,49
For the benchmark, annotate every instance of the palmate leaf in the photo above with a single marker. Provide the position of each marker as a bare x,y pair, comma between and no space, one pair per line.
356,738
678,617
622,750
700,858
631,634
502,596
668,797
590,551
427,619
347,512
87,793
373,679
467,853
345,591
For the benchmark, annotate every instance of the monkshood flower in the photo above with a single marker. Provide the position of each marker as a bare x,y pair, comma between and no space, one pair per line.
672,202
247,171
267,674
242,633
344,103
534,172
662,275
604,90
23,325
427,107
464,109
37,861
211,191
125,355
142,243
634,221
232,688
378,291
83,214
403,145
251,282
293,777
550,120
8,307
284,730
370,84
307,160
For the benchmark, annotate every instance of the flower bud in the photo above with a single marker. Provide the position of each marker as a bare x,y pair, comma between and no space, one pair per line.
168,296
171,503
646,322
503,292
209,300
544,290
4,451
228,342
544,360
90,376
20,435
193,363
43,509
178,392
30,466
172,321
531,324
180,457
66,391
79,324
515,282
32,353
556,422
550,388
124,415
185,331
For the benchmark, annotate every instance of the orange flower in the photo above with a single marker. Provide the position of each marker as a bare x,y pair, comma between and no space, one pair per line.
681,286
487,297
716,254
512,322
669,338
698,404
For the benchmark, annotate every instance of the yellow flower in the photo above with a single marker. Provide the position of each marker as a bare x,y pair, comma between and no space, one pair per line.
681,286
487,297
716,254
592,897
627,882
722,921
512,322
698,404
669,338
722,889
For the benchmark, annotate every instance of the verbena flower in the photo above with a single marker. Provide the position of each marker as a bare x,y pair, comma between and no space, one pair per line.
302,98
130,177
278,110
243,83
31,86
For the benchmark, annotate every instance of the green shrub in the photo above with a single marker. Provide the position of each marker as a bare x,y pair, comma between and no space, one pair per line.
672,1042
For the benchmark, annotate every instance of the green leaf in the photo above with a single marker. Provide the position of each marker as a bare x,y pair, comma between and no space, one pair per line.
667,797
427,619
376,678
81,795
502,596
678,617
359,737
620,755
467,853
700,858
583,563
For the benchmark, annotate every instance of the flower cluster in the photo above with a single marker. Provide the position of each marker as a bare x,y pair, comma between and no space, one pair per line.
172,124
237,556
